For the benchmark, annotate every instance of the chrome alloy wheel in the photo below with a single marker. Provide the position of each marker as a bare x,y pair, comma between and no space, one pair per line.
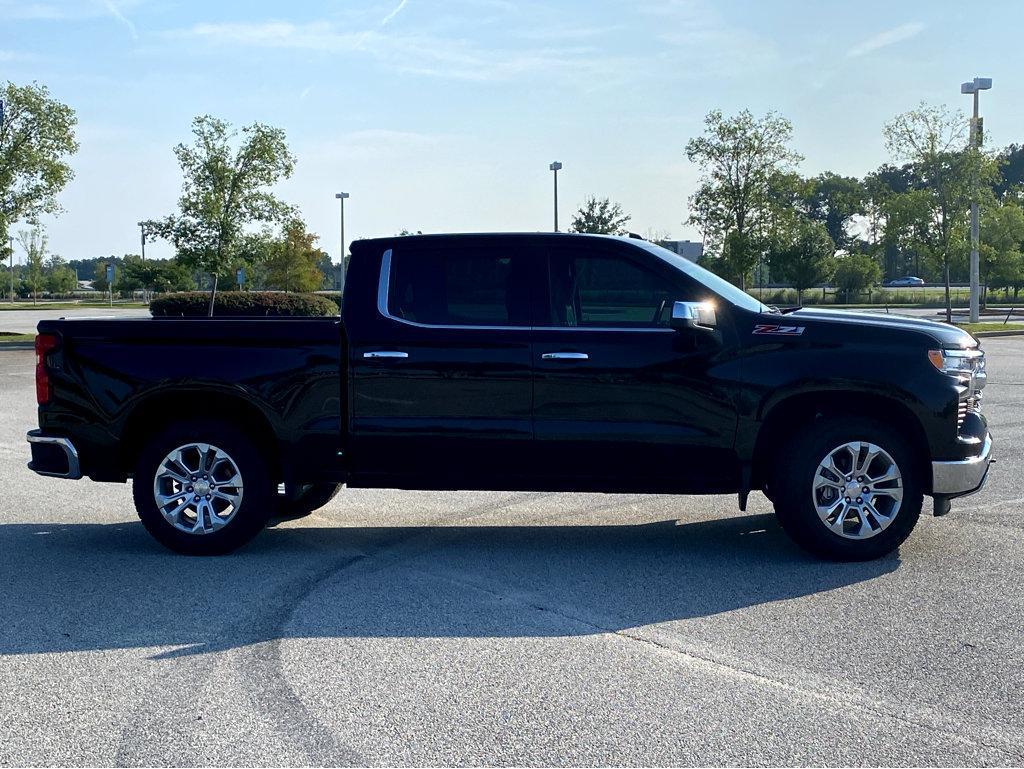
198,488
857,490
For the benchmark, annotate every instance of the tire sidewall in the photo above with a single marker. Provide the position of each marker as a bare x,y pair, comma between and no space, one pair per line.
794,505
252,513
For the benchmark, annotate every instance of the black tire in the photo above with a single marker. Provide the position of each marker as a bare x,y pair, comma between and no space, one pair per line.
795,473
257,497
311,497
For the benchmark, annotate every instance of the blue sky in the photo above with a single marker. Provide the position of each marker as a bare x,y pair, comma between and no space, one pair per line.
444,115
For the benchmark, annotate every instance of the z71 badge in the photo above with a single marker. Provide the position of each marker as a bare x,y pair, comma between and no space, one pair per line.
776,330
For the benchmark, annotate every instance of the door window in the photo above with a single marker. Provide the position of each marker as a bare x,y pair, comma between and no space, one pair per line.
601,290
460,287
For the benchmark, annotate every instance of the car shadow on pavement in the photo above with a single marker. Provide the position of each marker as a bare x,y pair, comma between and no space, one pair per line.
102,586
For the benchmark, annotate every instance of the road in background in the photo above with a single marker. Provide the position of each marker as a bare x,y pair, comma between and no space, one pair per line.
397,628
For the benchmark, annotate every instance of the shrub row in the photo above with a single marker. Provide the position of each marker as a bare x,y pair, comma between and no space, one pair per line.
192,304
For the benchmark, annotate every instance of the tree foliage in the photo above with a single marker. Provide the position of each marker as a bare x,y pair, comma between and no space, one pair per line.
806,259
739,157
36,138
34,243
294,263
855,273
834,201
600,217
228,176
158,275
933,140
1002,263
60,279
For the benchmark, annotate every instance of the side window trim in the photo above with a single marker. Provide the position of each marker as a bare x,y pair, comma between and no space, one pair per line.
384,288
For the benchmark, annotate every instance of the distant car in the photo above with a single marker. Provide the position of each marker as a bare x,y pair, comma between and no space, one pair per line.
909,280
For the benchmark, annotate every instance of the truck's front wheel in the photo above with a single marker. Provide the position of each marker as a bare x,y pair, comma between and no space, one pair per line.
201,487
848,489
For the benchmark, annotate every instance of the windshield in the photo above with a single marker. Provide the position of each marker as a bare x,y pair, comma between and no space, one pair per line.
720,286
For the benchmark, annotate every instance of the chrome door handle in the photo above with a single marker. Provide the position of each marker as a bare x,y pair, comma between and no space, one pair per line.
385,354
565,356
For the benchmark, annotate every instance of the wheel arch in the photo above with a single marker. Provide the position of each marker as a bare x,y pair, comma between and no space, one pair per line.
800,410
162,409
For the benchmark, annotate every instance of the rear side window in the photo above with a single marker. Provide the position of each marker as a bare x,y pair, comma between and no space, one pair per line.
459,287
594,289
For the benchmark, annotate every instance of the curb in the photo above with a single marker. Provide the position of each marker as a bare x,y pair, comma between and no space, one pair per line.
983,334
18,346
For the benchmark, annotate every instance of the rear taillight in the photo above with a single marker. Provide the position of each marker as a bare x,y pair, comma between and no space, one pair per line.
45,343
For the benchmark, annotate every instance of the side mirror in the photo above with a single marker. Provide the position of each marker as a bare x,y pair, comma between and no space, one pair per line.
699,316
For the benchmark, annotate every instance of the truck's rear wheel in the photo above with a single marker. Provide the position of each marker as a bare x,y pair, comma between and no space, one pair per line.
201,487
848,489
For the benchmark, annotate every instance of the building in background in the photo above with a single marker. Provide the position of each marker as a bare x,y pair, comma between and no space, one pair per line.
688,248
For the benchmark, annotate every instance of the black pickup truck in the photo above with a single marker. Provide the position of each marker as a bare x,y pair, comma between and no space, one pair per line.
519,361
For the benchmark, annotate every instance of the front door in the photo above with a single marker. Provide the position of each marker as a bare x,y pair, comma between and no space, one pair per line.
621,400
444,398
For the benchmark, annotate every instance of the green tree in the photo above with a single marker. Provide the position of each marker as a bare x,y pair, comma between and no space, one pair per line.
880,188
806,259
294,263
600,217
7,266
1011,170
933,140
835,200
60,279
37,136
34,243
855,273
739,157
1002,240
225,188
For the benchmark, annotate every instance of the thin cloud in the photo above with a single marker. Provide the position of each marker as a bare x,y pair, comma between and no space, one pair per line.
398,9
416,53
887,38
116,14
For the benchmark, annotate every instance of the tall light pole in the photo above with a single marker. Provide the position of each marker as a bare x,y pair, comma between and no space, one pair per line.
341,273
10,245
556,167
142,229
974,88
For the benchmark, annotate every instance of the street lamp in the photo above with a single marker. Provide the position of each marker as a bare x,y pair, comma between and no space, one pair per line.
974,88
556,167
142,228
341,274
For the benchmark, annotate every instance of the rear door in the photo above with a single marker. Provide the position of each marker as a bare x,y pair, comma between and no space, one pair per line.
620,399
442,392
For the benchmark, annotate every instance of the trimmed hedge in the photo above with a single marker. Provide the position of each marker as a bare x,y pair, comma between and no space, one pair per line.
191,304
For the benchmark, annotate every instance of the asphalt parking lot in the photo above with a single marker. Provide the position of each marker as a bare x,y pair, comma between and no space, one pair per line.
397,628
24,321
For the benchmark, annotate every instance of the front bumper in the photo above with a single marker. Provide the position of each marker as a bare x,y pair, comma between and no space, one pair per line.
962,477
53,456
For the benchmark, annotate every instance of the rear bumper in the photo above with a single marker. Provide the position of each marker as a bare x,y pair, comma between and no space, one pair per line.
53,456
966,476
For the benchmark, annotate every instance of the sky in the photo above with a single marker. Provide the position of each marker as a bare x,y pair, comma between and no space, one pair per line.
443,115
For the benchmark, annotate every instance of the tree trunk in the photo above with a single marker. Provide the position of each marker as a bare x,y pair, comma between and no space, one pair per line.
213,297
949,305
799,297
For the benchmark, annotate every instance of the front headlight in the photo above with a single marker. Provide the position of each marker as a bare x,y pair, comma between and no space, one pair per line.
958,362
